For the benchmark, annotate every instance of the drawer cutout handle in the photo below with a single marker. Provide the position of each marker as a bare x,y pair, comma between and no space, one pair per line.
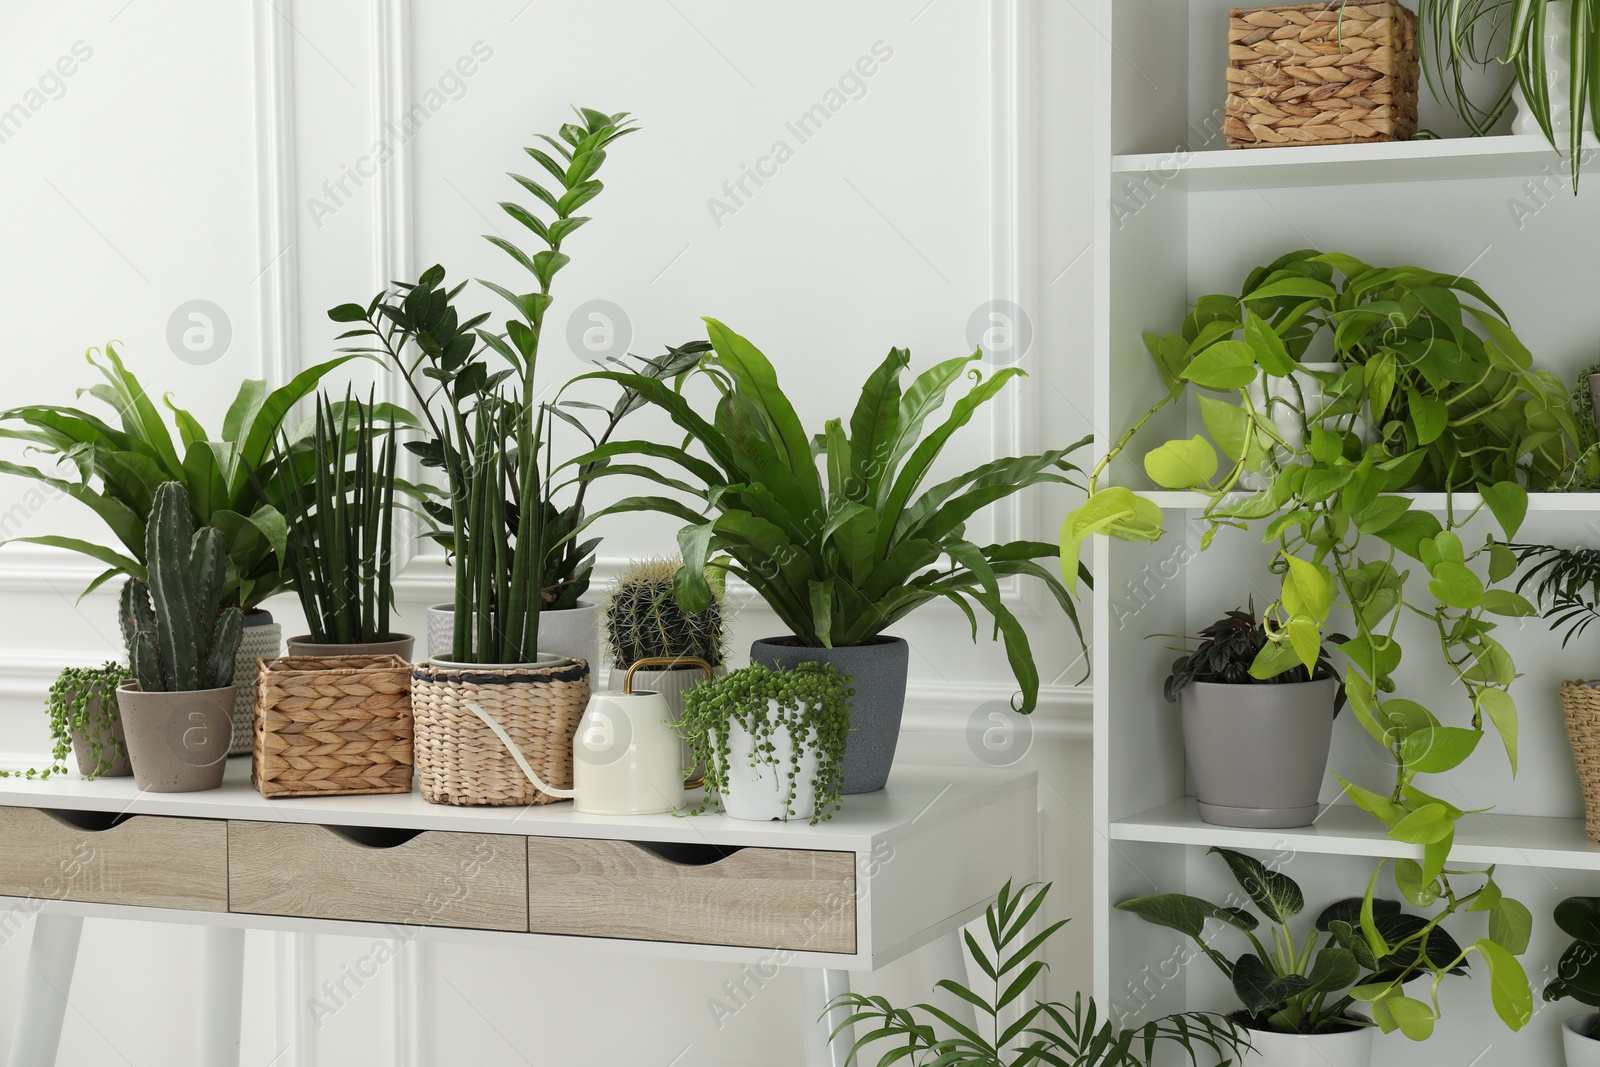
93,822
688,854
375,836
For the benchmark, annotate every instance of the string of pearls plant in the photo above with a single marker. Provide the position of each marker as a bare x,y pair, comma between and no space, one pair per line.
812,702
69,703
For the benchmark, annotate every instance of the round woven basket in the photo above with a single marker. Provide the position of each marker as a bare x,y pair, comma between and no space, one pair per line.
1580,703
460,760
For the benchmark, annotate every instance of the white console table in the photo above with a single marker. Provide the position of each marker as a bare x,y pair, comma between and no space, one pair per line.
892,872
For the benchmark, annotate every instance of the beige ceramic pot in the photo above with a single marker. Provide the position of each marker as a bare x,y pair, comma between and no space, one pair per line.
177,742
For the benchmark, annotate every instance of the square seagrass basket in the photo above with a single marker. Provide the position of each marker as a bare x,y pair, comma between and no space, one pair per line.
333,726
1328,73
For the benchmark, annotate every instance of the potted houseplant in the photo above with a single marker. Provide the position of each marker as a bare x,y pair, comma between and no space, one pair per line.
182,638
84,721
1301,997
836,531
1257,723
338,493
644,621
1047,1032
114,468
772,740
1578,978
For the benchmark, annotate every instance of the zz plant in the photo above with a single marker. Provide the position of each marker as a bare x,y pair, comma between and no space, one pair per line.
181,636
1361,951
1432,392
812,699
1045,1034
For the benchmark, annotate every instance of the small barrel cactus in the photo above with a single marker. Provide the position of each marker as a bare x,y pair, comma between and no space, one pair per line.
179,639
644,621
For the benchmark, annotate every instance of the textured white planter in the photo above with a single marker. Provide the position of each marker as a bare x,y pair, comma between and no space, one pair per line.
1350,1049
673,685
1581,1049
1558,78
573,634
759,793
261,641
1286,422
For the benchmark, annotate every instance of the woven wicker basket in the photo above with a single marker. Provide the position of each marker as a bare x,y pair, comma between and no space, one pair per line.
1328,73
461,761
334,726
1580,703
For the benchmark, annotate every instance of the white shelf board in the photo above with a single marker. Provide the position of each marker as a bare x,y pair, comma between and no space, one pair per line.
1462,502
1345,830
1512,156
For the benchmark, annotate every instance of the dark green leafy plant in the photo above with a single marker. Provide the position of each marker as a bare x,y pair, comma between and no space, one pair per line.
1047,1034
1228,653
120,467
1568,584
338,492
1583,475
72,694
1578,972
645,621
181,635
1372,951
839,557
811,698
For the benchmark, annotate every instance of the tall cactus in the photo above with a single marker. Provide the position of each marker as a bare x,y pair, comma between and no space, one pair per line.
644,620
179,640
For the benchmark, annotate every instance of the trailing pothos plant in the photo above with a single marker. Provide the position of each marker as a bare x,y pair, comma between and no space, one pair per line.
1362,952
1432,391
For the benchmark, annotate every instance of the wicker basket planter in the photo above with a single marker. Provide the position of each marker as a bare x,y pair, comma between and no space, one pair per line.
1328,73
333,726
459,758
1580,705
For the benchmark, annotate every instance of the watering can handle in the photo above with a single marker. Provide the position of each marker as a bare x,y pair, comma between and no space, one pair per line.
665,661
516,754
670,661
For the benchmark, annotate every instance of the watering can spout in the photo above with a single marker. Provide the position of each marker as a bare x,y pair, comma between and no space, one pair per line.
516,754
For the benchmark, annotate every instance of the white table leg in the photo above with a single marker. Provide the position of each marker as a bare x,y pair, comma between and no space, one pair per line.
221,994
51,958
820,987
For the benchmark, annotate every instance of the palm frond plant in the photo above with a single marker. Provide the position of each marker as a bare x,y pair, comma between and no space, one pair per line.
1044,1034
1459,35
114,466
837,532
338,492
1566,585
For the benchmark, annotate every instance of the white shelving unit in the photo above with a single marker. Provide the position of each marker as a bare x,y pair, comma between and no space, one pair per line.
1180,217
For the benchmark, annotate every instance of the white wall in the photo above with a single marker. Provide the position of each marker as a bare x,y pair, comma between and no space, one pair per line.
136,184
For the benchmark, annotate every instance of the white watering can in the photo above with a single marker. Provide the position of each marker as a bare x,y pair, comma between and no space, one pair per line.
625,757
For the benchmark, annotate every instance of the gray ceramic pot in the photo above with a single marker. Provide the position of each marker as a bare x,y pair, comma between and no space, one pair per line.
113,744
879,668
1258,753
401,645
178,742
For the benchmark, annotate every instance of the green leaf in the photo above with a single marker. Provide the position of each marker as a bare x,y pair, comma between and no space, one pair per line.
1182,464
1428,415
1416,889
1510,925
1228,425
1508,985
1333,970
1384,809
1498,705
1505,602
1310,587
1268,347
1410,530
1429,823
1455,586
1579,917
1509,503
1225,365
1438,748
1259,989
1502,562
1276,894
1176,911
1414,1017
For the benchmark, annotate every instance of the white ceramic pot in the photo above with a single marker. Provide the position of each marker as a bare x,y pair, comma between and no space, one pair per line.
574,633
1558,78
1286,421
441,629
759,793
1581,1049
1353,1048
261,639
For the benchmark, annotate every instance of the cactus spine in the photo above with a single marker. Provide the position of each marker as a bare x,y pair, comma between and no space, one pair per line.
179,639
644,620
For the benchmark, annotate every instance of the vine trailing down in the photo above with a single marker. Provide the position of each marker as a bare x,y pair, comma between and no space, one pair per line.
1432,391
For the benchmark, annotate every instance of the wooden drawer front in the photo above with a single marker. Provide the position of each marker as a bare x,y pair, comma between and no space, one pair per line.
143,860
756,897
429,879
